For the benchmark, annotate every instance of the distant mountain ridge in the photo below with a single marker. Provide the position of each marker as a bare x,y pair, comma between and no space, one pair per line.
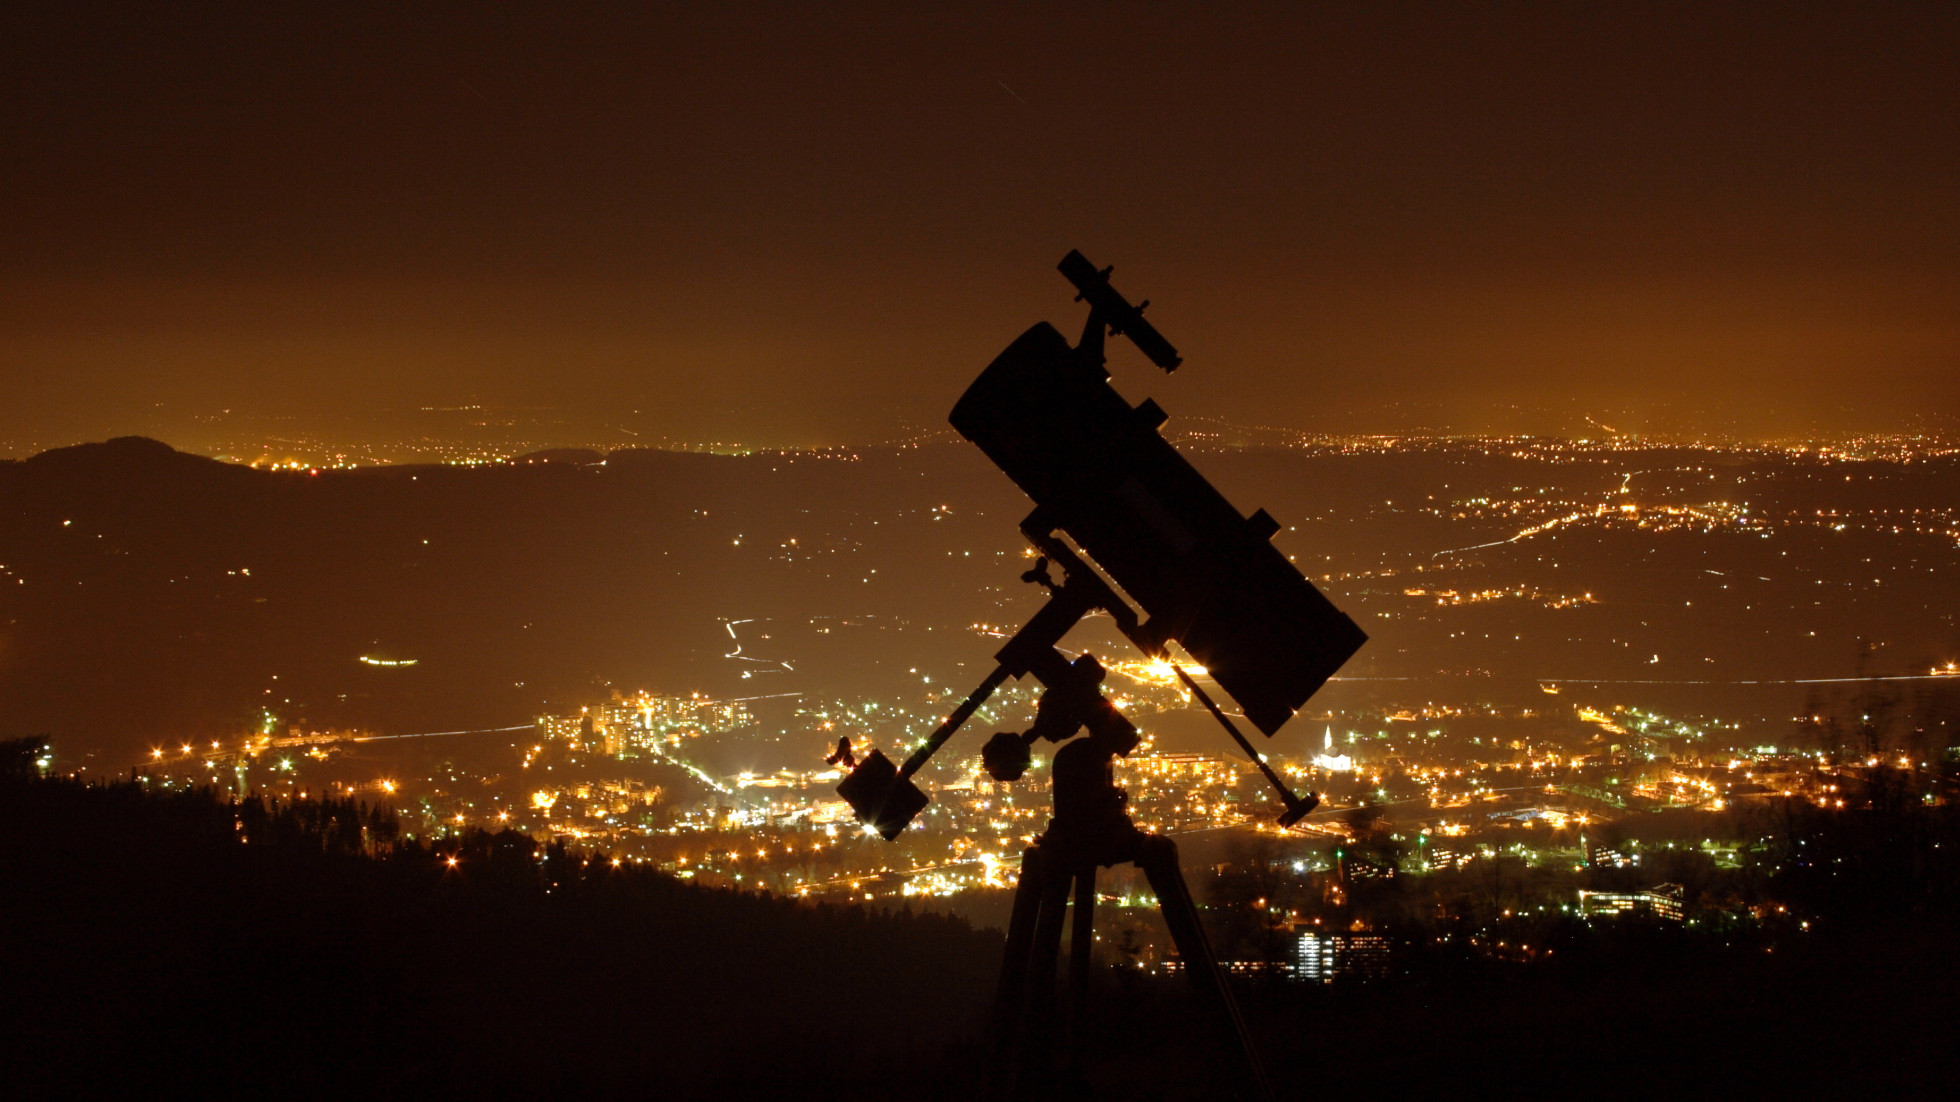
155,596
152,597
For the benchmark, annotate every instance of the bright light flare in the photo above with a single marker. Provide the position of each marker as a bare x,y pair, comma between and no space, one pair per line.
1155,671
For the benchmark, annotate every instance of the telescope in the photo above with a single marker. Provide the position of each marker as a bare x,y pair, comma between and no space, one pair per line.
1100,473
1139,534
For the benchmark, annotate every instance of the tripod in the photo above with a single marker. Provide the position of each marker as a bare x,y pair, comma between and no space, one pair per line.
1091,829
1109,489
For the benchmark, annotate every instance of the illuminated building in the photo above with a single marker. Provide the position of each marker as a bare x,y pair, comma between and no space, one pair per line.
1663,901
1450,855
575,729
1601,855
1319,958
627,726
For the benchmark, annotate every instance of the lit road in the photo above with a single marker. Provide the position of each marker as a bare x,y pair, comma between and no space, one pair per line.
252,748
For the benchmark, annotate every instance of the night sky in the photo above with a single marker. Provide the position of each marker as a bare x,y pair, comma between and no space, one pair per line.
799,225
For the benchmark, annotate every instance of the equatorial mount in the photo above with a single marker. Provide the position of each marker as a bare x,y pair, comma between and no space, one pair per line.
1071,700
885,796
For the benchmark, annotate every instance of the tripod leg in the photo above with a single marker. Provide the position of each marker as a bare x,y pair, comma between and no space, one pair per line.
1011,995
1081,937
1046,951
1082,947
1034,941
1158,857
1020,1010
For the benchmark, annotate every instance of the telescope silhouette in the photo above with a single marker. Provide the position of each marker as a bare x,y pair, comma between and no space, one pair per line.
1138,533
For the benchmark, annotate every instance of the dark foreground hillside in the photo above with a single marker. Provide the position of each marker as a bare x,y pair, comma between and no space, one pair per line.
146,943
227,949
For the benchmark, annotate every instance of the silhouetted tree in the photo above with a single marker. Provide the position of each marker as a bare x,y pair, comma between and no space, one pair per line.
20,758
1253,898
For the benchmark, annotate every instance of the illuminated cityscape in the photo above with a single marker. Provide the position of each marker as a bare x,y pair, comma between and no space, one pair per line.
1564,794
1534,713
530,566
1620,693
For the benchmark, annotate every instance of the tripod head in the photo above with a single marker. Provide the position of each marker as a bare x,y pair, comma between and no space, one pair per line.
884,796
1061,711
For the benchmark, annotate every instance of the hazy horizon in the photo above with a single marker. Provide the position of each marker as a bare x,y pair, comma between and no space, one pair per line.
437,433
775,227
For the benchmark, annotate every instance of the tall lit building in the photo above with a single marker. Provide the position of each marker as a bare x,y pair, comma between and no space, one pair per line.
1319,958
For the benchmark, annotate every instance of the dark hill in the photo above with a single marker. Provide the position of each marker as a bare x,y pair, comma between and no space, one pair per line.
150,596
578,457
145,944
153,938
